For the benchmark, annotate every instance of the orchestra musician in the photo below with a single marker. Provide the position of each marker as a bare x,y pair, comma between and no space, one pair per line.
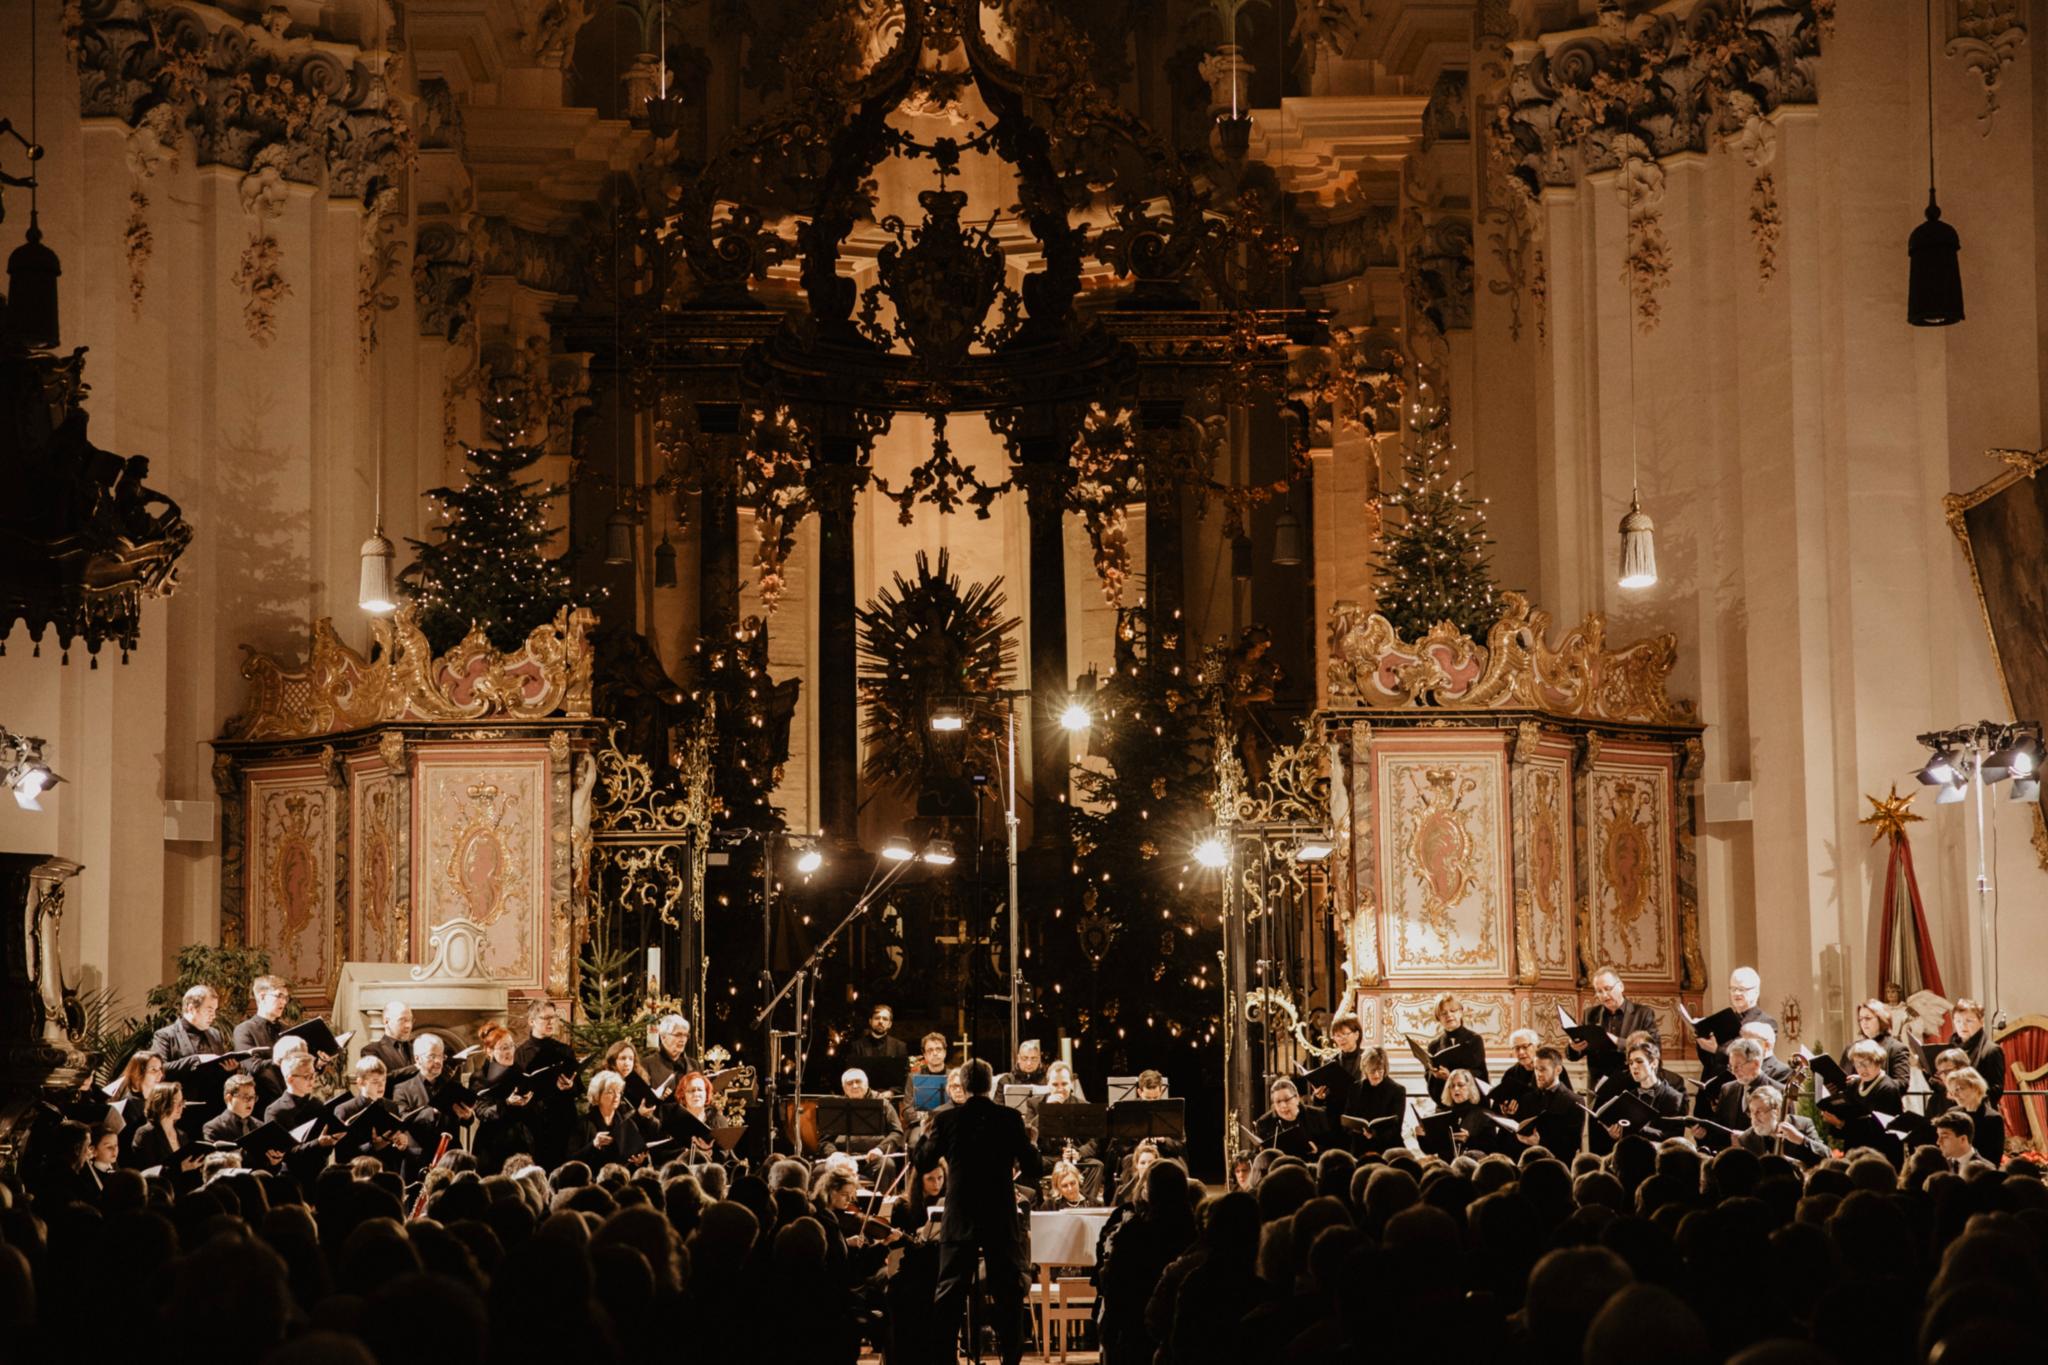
1451,1032
1773,1132
986,1149
1376,1096
1620,1017
1972,1096
1028,1070
608,1132
1874,1022
1067,1188
874,1153
1291,1127
1744,987
879,1045
931,1058
1062,1088
1987,1058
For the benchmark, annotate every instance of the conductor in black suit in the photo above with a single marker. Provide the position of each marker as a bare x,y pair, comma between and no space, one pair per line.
987,1151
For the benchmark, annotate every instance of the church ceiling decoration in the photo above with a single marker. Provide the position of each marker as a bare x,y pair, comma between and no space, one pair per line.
263,97
1632,91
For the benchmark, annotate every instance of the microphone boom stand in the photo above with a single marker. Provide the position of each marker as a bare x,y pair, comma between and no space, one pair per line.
796,984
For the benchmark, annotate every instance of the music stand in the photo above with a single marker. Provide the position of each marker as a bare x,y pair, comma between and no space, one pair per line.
1020,1096
927,1092
840,1119
1073,1122
1119,1088
1137,1120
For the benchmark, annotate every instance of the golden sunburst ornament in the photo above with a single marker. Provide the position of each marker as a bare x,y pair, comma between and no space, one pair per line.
1890,815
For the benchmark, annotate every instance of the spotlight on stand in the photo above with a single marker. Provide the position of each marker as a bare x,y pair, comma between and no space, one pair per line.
1951,793
2026,789
949,717
22,770
809,857
939,853
898,849
1939,771
1211,852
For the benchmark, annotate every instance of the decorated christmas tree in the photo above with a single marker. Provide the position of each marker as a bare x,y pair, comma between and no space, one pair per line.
1432,564
489,565
1129,962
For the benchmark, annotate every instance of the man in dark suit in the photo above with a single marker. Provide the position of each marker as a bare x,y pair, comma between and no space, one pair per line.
1744,989
394,1049
987,1151
184,1043
262,1030
1620,1016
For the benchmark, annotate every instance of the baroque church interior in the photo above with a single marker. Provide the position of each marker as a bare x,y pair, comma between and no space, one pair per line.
1204,552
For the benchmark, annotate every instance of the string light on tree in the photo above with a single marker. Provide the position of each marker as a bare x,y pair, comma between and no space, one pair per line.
1432,565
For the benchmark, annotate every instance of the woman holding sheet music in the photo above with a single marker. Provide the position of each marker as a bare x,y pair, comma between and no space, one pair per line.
1972,1099
1874,1024
1454,1047
609,1132
694,1102
160,1145
502,1105
1377,1102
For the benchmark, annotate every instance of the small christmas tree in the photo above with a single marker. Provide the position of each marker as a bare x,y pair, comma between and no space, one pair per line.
1432,565
490,567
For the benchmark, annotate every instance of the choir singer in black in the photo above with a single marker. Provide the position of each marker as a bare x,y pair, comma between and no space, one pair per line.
987,1150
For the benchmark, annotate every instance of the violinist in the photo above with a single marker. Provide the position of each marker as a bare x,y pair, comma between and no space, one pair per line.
1874,1022
1064,1189
608,1132
915,1214
855,1242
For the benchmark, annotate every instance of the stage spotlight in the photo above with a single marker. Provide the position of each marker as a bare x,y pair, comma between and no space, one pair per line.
898,850
939,853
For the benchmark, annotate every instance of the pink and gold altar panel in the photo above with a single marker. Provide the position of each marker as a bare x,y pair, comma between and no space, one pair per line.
380,928
292,875
1632,903
480,829
1546,820
1445,889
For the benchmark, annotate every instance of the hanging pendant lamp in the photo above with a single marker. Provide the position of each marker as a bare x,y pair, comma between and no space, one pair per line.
374,593
1934,276
1638,532
1287,537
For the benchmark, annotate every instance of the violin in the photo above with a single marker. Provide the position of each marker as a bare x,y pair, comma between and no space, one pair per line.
858,1221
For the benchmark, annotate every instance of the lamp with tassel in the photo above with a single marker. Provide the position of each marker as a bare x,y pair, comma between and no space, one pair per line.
1934,277
1638,532
374,592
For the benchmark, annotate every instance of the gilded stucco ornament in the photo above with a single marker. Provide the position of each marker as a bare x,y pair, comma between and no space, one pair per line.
1517,667
339,690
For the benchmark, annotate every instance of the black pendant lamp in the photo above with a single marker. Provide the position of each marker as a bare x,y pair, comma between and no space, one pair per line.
1934,279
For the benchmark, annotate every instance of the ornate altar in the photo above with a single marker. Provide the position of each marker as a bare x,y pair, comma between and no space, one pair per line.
1509,816
372,802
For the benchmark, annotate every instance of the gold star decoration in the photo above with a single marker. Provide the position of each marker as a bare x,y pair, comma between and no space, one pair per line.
1890,815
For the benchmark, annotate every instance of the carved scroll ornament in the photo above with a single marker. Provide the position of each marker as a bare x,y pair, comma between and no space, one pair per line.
1517,668
339,690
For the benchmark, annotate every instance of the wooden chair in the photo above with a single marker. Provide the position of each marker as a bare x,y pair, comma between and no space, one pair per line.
1071,1305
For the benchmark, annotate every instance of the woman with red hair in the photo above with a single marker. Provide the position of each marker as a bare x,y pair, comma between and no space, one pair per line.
504,1100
